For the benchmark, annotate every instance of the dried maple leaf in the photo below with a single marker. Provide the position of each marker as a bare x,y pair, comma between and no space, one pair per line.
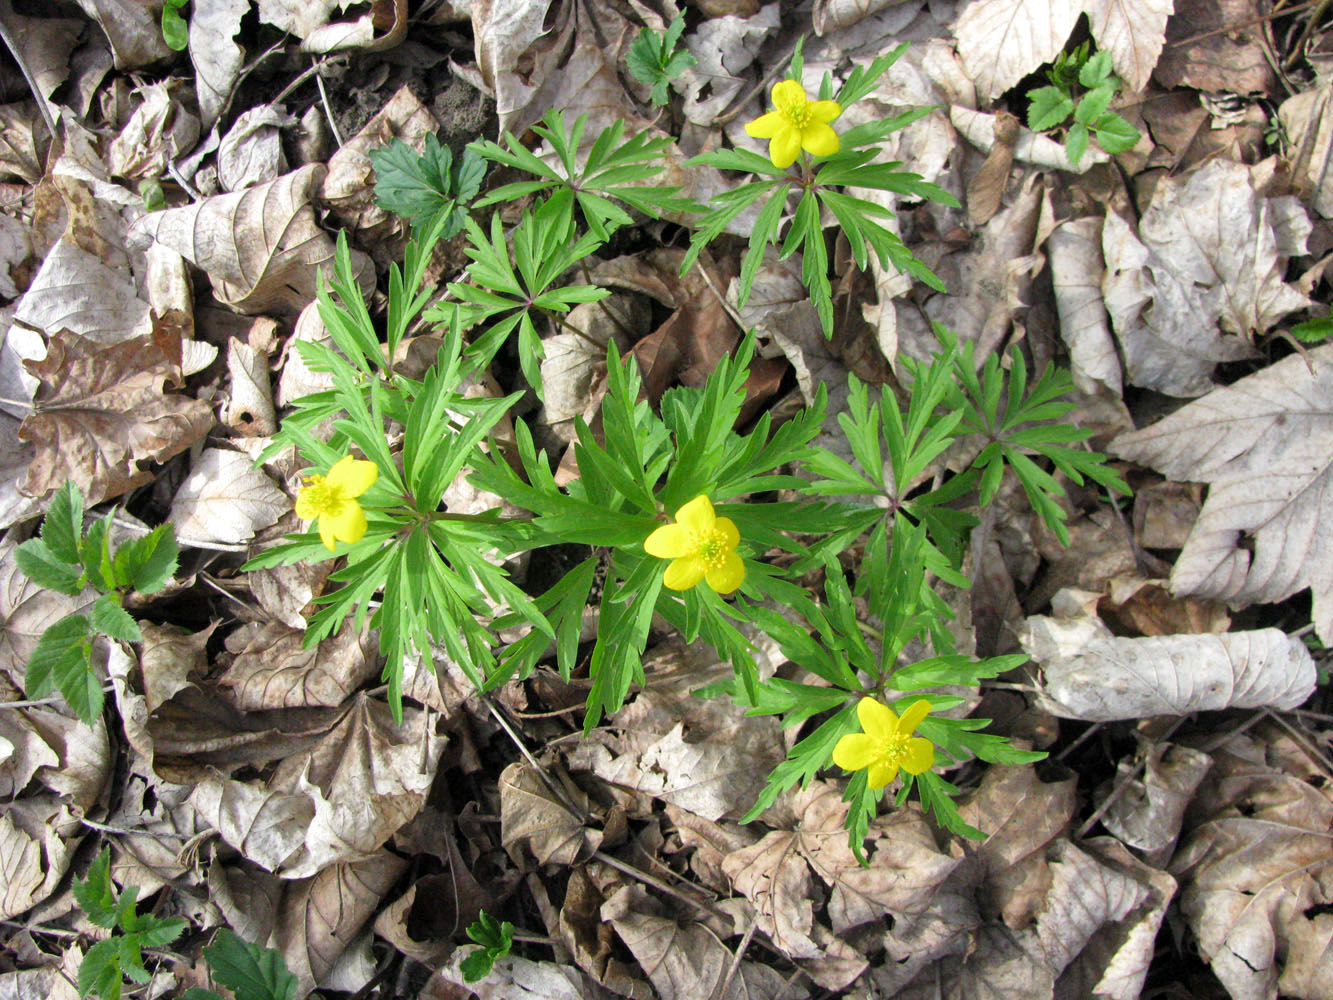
99,411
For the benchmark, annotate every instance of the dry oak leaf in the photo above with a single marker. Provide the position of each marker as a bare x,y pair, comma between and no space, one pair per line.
261,247
1255,873
99,411
1264,445
224,501
529,811
274,669
1002,41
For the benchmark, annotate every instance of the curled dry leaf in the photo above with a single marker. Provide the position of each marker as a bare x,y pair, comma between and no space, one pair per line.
530,812
509,34
1150,808
723,48
38,838
261,247
160,131
1076,275
250,410
1255,870
224,501
132,29
688,961
251,151
99,411
831,15
272,669
1262,445
512,978
216,57
1093,675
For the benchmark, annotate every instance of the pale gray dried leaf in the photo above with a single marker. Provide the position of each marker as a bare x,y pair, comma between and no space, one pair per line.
46,44
831,15
217,58
273,669
1076,276
168,658
20,869
1133,31
299,379
723,48
224,501
251,151
574,362
74,290
1002,41
774,876
38,838
1150,808
1192,225
1098,677
131,27
22,752
267,827
530,812
261,247
1263,446
300,17
1255,870
250,409
160,131
510,34
512,978
85,763
1171,342
1309,127
1030,147
14,250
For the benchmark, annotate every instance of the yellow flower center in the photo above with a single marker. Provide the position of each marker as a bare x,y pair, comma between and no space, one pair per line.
710,547
323,497
798,113
891,749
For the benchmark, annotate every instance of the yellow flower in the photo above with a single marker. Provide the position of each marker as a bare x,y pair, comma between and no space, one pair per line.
887,743
332,500
702,546
797,123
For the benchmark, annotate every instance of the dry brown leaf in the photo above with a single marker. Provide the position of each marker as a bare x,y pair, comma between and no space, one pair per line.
38,838
510,34
261,247
224,501
530,812
216,57
1205,52
512,978
1076,275
723,48
132,29
160,131
22,752
249,411
832,15
75,290
985,191
774,876
1255,869
1149,808
273,669
99,411
1002,41
251,151
1093,675
686,961
1262,445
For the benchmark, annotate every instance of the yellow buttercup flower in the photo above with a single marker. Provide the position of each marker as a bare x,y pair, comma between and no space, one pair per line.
331,500
887,743
797,123
702,546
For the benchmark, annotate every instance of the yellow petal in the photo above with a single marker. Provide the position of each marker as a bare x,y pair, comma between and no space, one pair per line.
697,515
353,477
920,755
854,751
787,93
670,541
877,719
820,140
305,508
348,525
825,111
765,126
727,577
913,716
326,535
784,147
683,574
880,773
731,537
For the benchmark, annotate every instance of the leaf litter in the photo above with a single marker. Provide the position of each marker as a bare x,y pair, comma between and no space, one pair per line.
265,786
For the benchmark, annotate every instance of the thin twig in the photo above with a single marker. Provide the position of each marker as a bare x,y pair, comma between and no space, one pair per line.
731,311
121,831
1122,784
656,883
1299,739
758,88
1227,29
328,109
1297,53
722,988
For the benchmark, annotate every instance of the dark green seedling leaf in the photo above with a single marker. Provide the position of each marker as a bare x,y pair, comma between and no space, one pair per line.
249,971
652,59
147,563
43,567
100,972
62,661
1093,105
1313,331
109,618
63,526
175,32
1048,107
495,939
1076,143
199,993
420,186
95,894
1114,134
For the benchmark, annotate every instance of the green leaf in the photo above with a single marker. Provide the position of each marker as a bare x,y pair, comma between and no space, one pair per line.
62,661
63,526
1313,331
148,563
1114,134
109,618
1048,107
175,32
251,972
39,564
1094,104
95,894
199,993
100,972
420,187
1076,143
95,555
1096,71
495,939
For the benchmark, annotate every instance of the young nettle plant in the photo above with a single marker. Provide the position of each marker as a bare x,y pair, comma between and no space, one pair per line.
1083,86
66,559
801,134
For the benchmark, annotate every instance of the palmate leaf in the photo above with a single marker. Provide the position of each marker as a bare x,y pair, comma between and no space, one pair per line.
420,187
495,939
